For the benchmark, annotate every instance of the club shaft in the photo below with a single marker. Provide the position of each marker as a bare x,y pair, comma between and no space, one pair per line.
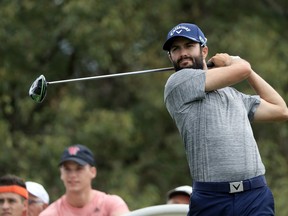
112,75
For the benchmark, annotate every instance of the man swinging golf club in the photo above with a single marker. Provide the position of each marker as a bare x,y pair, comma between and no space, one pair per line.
214,122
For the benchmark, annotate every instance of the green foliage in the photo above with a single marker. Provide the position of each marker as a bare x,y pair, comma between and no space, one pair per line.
123,120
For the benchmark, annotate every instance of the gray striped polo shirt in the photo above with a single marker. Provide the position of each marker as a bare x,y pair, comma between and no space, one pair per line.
215,128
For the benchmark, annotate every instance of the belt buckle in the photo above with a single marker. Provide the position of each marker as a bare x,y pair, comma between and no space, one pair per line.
236,187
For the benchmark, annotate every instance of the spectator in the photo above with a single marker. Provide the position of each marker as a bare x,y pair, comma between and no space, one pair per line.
179,195
77,170
38,198
13,196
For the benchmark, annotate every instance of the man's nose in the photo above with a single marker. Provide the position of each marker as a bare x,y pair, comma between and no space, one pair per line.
183,52
72,172
5,205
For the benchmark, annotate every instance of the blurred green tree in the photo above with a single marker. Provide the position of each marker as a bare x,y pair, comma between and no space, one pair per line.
124,120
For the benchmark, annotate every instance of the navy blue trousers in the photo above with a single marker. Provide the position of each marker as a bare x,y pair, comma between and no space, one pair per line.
255,202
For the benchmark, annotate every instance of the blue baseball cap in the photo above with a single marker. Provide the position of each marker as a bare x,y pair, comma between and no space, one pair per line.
79,154
186,30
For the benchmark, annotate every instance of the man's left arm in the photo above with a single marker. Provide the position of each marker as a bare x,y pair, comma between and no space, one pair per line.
272,106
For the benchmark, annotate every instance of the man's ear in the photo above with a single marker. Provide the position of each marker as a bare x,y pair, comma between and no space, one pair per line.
169,56
205,52
61,175
93,171
45,205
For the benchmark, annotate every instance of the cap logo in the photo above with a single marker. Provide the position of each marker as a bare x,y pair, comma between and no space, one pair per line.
178,29
203,41
73,150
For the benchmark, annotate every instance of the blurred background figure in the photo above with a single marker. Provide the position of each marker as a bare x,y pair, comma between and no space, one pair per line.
38,198
179,195
13,196
77,168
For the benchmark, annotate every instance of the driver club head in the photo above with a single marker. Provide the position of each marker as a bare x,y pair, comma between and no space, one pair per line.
38,89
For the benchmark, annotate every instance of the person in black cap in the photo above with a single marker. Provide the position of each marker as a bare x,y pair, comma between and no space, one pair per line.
77,168
214,121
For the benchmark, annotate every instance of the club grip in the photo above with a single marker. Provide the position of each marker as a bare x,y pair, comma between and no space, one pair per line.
210,64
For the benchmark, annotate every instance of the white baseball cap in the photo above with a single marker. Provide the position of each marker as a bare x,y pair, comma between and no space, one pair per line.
37,190
185,189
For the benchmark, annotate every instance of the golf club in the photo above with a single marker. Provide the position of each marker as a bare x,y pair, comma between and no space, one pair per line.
38,88
210,64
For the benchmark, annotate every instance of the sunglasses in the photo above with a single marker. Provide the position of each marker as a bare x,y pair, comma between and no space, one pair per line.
30,201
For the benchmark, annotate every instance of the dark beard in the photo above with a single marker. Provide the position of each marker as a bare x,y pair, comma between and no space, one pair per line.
197,63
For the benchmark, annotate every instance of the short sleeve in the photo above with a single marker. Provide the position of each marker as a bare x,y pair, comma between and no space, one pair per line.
183,87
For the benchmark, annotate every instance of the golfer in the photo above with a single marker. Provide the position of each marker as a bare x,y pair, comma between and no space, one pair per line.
214,121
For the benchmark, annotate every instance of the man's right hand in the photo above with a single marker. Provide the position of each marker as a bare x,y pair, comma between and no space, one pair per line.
221,60
228,71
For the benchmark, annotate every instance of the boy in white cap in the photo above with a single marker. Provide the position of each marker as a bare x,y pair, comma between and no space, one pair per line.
38,198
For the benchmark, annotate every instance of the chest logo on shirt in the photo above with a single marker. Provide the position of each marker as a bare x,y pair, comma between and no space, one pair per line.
96,209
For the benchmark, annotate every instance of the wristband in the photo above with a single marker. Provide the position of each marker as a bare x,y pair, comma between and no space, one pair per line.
235,57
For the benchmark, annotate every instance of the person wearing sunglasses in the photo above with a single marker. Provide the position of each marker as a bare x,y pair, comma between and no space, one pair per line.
38,198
